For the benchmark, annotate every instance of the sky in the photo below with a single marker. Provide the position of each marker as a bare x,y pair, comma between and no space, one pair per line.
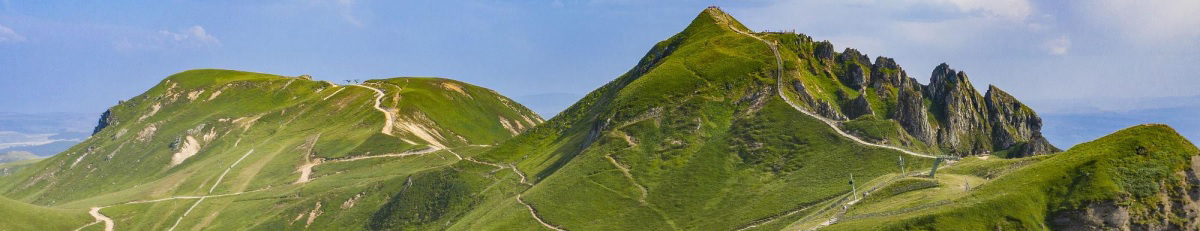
1060,57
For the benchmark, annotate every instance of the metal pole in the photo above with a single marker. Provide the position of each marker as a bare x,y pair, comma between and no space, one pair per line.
853,190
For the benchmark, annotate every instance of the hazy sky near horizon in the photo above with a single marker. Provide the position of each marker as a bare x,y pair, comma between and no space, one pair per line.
1058,56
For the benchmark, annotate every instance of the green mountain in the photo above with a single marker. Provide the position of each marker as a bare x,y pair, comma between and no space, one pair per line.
176,156
716,128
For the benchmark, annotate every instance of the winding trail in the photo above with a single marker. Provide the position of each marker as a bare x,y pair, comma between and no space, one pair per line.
536,216
524,181
306,169
387,125
108,222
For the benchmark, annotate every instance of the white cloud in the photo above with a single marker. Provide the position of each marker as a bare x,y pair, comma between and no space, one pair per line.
1058,46
1016,10
194,36
8,35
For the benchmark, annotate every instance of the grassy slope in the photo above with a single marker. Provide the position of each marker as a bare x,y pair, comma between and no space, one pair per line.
292,118
1026,191
696,109
22,216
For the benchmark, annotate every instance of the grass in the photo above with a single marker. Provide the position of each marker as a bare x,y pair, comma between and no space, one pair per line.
23,216
272,124
713,145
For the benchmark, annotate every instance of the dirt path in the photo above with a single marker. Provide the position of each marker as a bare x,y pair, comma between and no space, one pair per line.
625,171
524,181
108,222
388,116
536,216
210,189
306,169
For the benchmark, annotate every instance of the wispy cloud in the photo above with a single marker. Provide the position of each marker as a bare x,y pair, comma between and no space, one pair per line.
1058,46
1016,10
8,35
194,37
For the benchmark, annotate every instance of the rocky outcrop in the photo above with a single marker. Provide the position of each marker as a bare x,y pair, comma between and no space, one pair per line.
802,93
106,119
912,116
824,51
1014,123
828,111
858,107
961,112
1037,145
885,71
853,72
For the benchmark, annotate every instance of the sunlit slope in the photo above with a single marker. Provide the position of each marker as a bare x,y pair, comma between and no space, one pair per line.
23,216
693,137
1143,177
202,141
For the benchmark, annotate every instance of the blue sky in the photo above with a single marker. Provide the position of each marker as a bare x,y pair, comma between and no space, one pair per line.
1061,57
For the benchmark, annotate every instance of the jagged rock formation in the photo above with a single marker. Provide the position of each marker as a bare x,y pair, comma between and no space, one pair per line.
854,71
948,114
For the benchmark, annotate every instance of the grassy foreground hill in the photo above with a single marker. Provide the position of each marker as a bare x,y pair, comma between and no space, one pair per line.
1139,178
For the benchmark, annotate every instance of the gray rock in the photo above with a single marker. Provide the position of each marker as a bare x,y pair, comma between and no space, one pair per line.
963,116
1014,123
911,114
824,51
885,71
828,111
858,107
106,119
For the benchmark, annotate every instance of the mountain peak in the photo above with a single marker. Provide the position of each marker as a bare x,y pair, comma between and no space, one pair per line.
714,16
